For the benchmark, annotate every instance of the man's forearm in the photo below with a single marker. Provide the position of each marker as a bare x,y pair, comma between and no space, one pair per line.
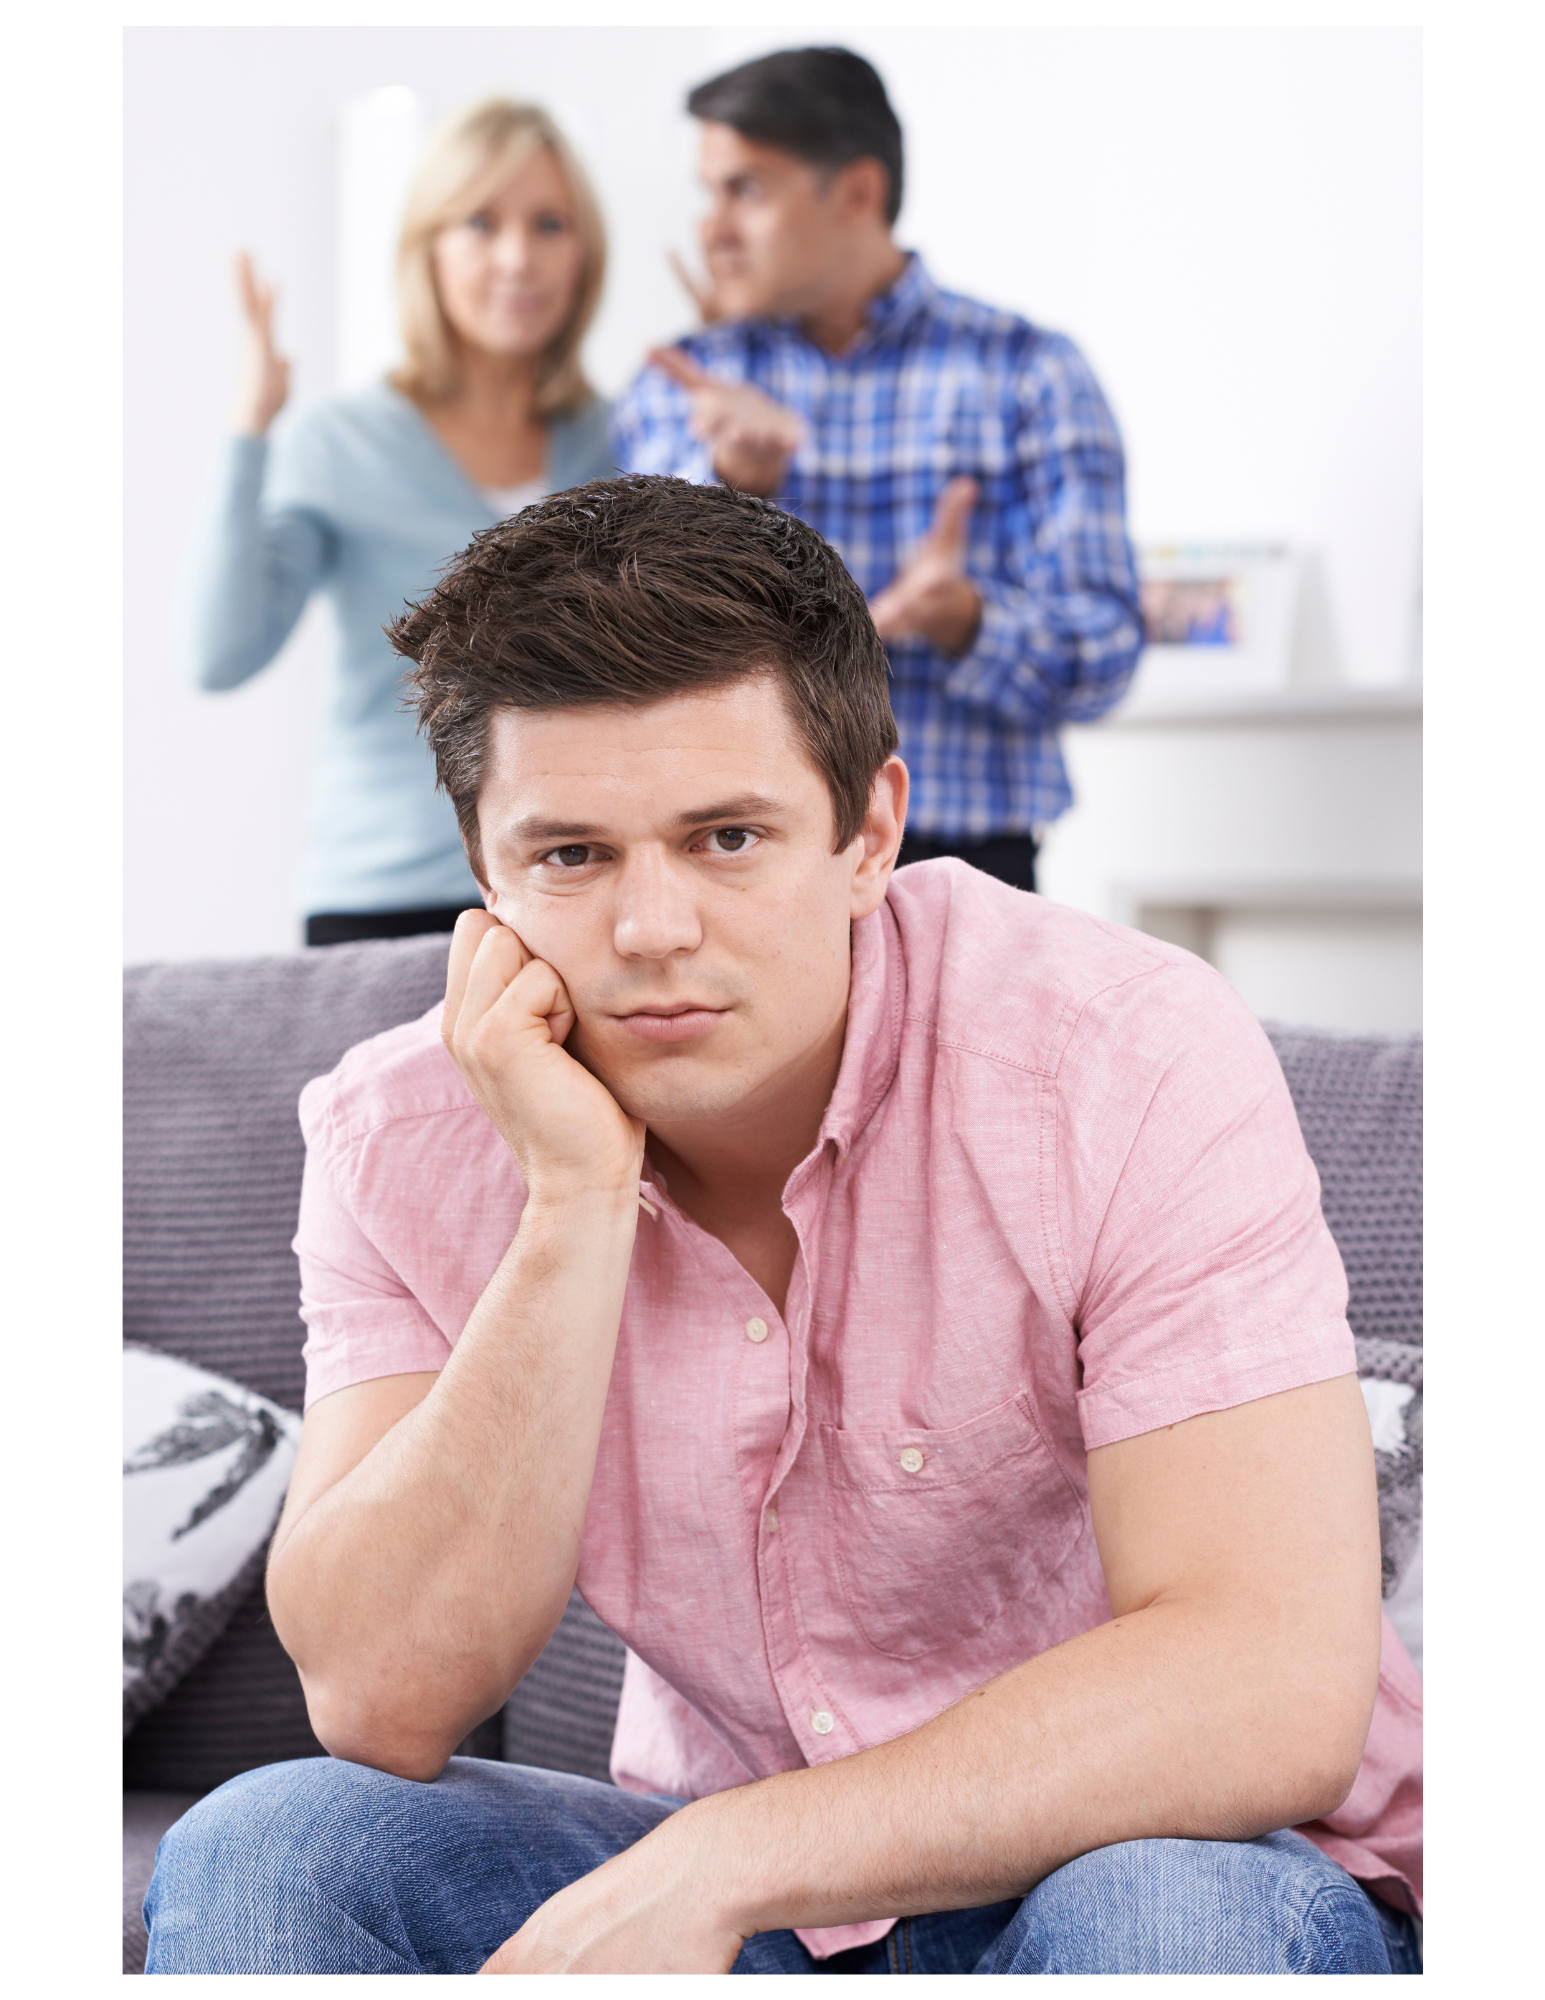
414,1592
1179,1720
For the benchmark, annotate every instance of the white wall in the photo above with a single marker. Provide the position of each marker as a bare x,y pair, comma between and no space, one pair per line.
1226,220
1282,841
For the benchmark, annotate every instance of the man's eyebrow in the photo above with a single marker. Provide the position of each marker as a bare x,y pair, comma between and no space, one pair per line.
533,828
745,805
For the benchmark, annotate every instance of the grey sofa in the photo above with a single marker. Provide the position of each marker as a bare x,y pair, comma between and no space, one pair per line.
215,1057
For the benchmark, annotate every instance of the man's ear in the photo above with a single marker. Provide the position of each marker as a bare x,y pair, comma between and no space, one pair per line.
863,189
879,838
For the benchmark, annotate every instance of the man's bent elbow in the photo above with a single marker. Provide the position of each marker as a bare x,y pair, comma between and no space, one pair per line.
353,1736
1322,1787
1318,1762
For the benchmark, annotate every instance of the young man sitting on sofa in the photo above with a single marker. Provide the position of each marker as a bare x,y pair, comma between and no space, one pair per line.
902,1304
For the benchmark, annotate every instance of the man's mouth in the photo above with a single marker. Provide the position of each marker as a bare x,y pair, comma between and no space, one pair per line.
670,1024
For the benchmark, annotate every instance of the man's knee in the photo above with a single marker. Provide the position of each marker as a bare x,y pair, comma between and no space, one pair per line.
321,1865
1273,1905
248,1859
278,1818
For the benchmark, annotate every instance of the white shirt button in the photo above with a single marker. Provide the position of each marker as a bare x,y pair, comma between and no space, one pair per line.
911,1459
821,1722
772,1520
756,1329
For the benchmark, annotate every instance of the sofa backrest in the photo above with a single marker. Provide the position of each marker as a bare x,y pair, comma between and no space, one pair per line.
1359,1104
215,1054
215,1057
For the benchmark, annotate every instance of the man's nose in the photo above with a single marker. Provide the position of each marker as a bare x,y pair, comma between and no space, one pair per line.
657,914
717,226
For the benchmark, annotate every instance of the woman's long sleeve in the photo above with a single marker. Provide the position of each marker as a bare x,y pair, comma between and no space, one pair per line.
258,569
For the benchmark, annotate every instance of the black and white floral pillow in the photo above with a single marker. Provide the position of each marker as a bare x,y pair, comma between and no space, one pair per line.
205,1467
1390,1375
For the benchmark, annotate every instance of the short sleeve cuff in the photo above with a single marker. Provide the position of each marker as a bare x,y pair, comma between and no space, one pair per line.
1194,1387
398,1339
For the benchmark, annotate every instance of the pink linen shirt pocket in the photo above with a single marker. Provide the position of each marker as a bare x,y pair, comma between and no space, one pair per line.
906,1505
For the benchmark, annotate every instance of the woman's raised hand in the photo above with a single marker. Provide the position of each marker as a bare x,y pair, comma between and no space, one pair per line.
265,378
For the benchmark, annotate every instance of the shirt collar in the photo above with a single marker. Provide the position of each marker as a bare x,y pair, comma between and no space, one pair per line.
871,1047
912,293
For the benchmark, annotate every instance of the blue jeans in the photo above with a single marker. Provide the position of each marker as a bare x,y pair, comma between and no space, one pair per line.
321,1866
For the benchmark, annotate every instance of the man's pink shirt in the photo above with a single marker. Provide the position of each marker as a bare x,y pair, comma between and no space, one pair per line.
1059,1198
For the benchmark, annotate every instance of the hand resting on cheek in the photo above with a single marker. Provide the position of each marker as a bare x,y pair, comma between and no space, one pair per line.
507,1017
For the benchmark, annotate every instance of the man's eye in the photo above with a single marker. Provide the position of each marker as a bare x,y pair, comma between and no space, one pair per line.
569,857
734,839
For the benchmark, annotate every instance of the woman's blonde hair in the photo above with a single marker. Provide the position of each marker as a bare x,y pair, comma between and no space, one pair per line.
467,162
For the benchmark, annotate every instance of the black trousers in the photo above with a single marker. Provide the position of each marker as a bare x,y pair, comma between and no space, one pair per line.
1009,856
354,927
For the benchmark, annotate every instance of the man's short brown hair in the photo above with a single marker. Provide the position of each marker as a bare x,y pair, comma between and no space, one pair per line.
632,590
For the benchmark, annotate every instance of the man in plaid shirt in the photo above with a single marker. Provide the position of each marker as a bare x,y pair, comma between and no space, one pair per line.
963,462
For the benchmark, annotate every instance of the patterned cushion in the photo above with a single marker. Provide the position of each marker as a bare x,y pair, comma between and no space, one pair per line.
206,1465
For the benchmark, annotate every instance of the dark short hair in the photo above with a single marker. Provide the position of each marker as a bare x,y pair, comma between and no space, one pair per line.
632,590
827,106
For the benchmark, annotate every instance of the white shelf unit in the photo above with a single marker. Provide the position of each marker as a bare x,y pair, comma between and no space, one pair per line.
1277,834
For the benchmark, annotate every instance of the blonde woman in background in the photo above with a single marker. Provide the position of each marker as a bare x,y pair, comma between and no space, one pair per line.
365,496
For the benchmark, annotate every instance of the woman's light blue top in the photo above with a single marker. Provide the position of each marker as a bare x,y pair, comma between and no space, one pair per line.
358,498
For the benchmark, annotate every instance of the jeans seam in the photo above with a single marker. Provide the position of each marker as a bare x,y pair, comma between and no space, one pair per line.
1337,1892
325,1895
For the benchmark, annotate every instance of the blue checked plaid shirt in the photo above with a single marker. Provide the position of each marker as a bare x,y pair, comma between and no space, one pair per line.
940,385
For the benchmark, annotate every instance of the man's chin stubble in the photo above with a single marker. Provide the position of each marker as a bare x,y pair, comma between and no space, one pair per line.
660,1098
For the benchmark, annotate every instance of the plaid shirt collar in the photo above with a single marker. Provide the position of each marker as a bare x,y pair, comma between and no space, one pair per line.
912,294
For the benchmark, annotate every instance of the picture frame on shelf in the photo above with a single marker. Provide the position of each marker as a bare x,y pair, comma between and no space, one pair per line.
1218,617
